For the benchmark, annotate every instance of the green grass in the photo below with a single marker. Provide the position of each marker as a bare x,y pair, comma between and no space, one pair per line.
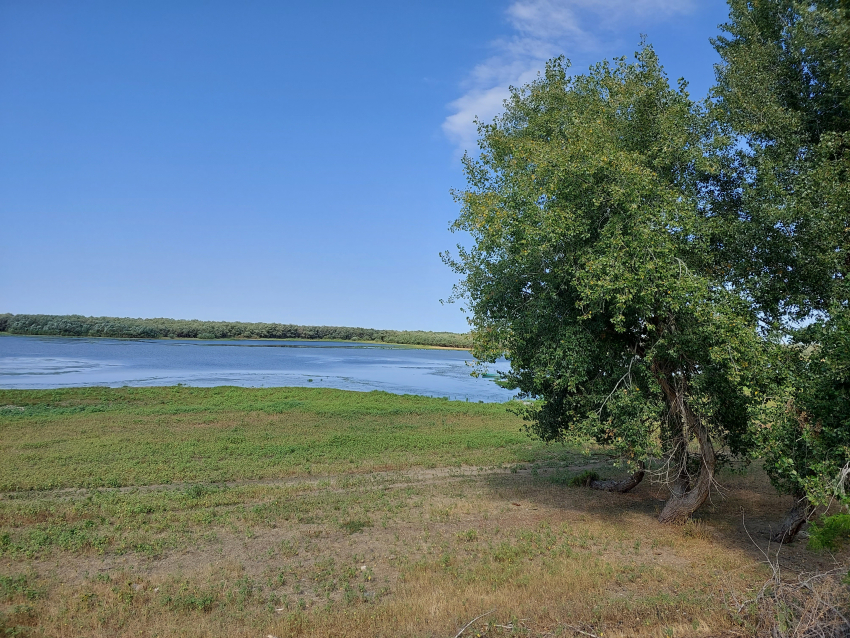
152,522
20,585
101,437
213,445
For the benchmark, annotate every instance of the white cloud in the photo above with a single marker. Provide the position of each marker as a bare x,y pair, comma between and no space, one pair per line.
543,29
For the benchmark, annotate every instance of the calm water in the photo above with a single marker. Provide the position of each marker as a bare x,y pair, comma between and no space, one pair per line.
59,362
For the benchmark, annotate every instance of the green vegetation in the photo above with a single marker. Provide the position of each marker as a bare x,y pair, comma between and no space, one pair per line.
784,89
101,437
126,328
584,479
832,533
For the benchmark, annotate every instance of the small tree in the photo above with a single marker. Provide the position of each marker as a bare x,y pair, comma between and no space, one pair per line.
597,269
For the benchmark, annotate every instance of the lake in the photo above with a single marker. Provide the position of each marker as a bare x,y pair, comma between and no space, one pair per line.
60,362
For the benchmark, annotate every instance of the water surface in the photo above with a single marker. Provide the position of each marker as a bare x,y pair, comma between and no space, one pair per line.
61,362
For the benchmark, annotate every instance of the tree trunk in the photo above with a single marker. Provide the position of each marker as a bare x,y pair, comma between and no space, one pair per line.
681,505
686,494
682,483
619,485
793,521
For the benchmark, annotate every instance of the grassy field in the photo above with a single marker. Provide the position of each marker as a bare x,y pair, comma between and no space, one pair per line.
276,512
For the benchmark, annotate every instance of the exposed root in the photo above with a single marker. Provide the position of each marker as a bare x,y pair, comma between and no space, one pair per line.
619,485
682,504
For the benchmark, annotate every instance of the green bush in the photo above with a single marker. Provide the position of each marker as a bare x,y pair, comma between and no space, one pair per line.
584,479
832,532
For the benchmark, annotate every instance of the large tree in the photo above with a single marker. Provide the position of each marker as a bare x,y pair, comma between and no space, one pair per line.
783,88
598,267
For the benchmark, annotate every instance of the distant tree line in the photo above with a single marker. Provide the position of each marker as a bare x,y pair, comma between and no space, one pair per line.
127,328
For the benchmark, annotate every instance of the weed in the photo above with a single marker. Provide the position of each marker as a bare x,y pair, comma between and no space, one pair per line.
288,549
272,549
357,525
831,532
199,491
20,586
469,536
190,601
583,479
98,437
694,528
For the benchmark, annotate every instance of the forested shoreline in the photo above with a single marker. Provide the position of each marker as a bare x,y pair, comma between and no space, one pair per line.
160,328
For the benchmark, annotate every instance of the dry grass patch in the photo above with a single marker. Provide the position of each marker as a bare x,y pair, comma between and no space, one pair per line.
540,554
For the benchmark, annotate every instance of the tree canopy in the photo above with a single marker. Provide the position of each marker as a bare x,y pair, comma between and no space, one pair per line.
784,88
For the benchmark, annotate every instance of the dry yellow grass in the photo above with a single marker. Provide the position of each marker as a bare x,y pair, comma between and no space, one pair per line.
438,553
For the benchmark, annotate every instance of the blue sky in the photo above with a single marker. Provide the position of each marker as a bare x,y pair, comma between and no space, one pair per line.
271,161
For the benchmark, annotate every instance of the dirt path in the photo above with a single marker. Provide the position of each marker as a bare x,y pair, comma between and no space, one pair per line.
387,479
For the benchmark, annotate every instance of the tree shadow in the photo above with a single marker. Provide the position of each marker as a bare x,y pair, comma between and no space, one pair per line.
741,513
